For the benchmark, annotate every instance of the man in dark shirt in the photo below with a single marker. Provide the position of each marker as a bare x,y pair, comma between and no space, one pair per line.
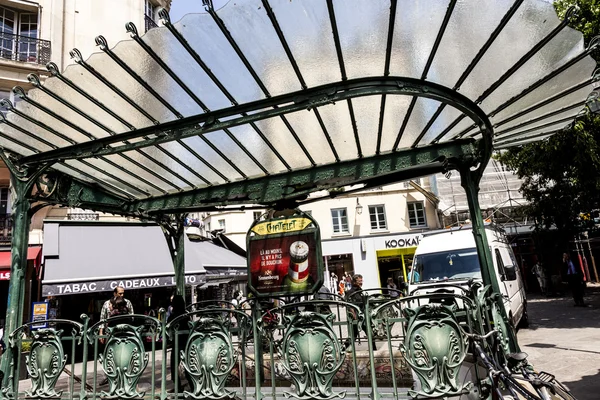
358,298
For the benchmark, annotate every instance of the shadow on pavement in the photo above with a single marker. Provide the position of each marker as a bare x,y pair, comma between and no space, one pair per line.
560,312
585,388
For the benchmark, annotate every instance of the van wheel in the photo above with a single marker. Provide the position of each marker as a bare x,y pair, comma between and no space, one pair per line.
524,322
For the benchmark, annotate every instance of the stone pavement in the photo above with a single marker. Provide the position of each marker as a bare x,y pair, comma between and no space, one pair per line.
565,340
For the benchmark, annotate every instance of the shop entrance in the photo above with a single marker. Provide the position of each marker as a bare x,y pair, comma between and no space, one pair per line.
394,263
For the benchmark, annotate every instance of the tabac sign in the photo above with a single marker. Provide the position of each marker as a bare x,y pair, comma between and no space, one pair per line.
284,256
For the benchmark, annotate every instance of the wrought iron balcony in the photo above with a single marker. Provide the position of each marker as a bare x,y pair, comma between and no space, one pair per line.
150,23
23,48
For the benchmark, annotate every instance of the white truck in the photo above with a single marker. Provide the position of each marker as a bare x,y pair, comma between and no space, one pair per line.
450,257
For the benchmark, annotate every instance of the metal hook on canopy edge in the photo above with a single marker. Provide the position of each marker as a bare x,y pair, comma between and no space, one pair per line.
7,104
594,43
164,16
76,56
596,75
19,91
131,29
34,80
208,4
101,42
52,68
572,12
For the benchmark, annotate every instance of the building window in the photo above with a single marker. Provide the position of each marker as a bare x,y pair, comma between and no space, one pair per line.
407,184
377,215
416,214
4,195
256,215
222,224
339,218
208,227
19,37
150,15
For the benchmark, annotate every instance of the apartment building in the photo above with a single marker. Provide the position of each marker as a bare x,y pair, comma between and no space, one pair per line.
373,233
32,34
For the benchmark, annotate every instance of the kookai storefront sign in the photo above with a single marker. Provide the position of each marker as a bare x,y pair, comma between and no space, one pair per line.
60,289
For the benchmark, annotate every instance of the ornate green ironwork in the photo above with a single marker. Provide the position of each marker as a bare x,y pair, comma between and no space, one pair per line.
124,360
45,363
208,359
312,355
435,348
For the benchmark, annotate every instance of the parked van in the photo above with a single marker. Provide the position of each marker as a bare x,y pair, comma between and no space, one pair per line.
450,256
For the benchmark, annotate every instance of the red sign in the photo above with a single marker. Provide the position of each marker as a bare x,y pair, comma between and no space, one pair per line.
285,264
5,275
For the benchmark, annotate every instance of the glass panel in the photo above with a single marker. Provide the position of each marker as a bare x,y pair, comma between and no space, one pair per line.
395,110
68,114
103,94
35,130
548,129
168,48
228,147
532,22
572,98
368,108
193,162
339,125
145,66
563,81
363,31
21,137
7,29
422,112
198,145
474,20
441,123
83,104
303,23
104,166
10,145
253,32
308,129
279,135
219,56
522,142
121,79
565,114
416,26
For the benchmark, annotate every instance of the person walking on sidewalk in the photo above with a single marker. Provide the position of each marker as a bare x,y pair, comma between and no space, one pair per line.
575,278
358,298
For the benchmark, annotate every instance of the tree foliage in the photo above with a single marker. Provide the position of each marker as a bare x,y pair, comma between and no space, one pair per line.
562,174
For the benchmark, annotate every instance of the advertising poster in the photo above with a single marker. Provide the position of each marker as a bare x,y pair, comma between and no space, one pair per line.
283,257
39,313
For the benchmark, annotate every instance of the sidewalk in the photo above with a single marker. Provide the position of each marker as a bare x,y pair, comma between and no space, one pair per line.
565,340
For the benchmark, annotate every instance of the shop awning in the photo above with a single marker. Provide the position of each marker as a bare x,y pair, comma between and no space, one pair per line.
33,254
82,257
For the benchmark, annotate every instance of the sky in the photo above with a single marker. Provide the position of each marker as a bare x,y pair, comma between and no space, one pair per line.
181,7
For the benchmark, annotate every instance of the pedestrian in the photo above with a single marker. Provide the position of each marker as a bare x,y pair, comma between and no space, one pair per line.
357,297
105,313
113,307
575,279
324,294
540,275
411,272
393,291
178,309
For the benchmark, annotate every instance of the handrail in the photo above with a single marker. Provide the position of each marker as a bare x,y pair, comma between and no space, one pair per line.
24,48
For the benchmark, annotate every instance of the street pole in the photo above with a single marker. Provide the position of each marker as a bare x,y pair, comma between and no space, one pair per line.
592,256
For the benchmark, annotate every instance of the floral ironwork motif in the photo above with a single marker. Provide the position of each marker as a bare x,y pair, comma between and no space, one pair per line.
312,355
435,349
208,359
45,363
124,360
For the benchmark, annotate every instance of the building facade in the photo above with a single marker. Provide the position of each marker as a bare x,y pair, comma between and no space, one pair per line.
373,233
34,33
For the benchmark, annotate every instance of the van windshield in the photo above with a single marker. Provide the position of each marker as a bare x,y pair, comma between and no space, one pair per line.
445,265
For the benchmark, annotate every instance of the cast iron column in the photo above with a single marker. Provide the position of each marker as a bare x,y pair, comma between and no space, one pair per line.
18,267
470,182
179,260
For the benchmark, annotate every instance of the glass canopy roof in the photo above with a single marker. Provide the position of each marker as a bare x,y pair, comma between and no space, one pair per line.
280,93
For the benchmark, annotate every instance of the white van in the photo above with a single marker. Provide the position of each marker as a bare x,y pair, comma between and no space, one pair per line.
450,256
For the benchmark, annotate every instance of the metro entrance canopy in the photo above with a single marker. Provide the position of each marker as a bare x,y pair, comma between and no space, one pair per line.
265,102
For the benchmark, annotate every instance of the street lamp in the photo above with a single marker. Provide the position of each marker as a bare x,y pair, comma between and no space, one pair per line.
358,207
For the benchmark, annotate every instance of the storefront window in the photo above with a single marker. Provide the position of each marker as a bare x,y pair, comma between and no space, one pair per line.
339,268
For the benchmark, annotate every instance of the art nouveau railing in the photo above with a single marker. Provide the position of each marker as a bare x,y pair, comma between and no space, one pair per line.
305,350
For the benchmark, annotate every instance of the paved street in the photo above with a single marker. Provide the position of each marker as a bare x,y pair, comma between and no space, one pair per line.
565,340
